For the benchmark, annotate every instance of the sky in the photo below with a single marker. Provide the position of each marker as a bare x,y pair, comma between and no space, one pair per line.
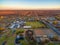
29,4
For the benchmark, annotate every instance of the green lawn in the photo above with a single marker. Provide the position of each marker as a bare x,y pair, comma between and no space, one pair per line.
53,43
7,38
35,24
20,30
23,42
2,39
10,41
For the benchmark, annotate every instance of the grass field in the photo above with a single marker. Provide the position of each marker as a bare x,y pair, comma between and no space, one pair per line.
53,44
7,37
35,24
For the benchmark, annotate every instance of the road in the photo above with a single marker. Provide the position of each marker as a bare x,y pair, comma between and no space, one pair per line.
51,26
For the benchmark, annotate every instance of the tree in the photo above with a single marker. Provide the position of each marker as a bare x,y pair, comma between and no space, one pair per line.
19,31
55,22
55,38
1,29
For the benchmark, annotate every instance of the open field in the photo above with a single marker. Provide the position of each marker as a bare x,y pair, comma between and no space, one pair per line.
35,24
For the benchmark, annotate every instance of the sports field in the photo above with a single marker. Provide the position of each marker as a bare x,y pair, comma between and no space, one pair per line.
35,24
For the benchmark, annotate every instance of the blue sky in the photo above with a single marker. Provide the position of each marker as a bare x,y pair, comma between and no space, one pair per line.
29,4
